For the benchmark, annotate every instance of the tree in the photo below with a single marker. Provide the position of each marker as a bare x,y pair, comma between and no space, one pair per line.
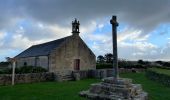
122,63
159,62
109,58
100,59
140,62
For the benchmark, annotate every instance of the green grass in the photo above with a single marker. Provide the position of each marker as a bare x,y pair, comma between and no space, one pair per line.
156,91
161,71
69,90
46,90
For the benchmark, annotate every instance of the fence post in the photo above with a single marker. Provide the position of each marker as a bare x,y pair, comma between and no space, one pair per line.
13,71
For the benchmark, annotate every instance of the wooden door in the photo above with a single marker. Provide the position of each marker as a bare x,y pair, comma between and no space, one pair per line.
76,64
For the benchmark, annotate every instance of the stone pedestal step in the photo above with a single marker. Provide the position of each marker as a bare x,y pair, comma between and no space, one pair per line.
119,81
115,89
67,77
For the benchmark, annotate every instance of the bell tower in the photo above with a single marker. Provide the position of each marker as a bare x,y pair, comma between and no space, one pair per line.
75,27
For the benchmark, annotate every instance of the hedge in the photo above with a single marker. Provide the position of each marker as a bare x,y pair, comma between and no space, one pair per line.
104,66
158,77
24,69
109,65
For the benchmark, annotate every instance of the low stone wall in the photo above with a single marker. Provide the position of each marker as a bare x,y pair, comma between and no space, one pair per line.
101,73
5,79
77,75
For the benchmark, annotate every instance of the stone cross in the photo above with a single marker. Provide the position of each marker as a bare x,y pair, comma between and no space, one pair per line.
115,88
114,37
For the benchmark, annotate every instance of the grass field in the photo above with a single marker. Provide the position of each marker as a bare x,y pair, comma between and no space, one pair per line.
156,91
45,90
161,71
69,90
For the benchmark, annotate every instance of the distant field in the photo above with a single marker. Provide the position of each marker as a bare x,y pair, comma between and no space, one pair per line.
69,90
161,71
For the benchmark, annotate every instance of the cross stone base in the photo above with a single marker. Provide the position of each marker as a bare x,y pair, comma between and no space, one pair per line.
115,89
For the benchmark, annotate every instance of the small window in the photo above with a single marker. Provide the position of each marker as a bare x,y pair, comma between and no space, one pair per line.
25,63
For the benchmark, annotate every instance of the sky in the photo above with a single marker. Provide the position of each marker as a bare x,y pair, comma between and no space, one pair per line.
143,31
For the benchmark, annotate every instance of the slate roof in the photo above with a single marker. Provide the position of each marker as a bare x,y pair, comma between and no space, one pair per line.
41,49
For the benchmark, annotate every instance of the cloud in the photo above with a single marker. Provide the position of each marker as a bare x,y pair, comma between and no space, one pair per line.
35,30
131,34
36,21
2,35
131,45
143,14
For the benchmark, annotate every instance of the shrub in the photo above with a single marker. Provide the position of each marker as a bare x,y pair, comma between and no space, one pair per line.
127,66
163,67
24,69
30,69
1,72
158,77
104,65
38,70
4,64
7,71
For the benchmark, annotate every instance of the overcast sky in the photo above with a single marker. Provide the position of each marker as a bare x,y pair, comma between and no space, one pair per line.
143,32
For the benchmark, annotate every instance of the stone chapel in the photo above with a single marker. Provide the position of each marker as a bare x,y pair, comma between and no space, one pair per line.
66,54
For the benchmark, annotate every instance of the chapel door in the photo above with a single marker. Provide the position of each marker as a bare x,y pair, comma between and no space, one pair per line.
76,64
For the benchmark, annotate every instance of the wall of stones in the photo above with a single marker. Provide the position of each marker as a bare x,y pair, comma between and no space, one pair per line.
43,61
30,61
33,61
62,59
101,73
5,79
86,56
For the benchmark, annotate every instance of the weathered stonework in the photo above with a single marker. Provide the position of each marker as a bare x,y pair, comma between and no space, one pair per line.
5,79
62,59
115,89
60,56
33,61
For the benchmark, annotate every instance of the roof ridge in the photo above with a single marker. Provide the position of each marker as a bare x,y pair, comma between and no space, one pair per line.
42,49
50,41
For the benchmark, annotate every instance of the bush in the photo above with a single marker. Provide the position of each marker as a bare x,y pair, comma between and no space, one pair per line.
137,66
1,72
158,77
4,64
104,66
163,67
127,66
24,69
38,70
30,69
7,71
